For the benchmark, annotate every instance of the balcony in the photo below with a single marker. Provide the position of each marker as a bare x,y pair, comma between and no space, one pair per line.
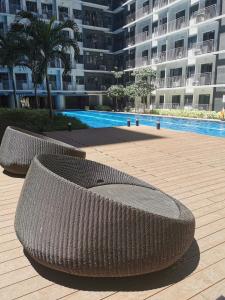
95,87
161,3
176,53
204,14
4,85
47,15
142,61
53,85
23,85
138,38
175,81
55,64
69,86
200,79
177,24
63,16
14,8
143,11
203,47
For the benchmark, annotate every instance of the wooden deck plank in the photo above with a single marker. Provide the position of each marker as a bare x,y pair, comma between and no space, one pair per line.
187,166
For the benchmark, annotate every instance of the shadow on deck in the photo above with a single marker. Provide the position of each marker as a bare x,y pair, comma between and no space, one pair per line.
102,136
184,267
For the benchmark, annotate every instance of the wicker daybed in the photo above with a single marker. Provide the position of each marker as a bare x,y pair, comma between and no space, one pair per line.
87,219
18,148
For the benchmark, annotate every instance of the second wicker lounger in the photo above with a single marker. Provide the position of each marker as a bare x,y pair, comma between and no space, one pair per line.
87,219
18,148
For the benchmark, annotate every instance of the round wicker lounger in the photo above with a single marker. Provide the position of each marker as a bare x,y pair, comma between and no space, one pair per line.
18,148
87,219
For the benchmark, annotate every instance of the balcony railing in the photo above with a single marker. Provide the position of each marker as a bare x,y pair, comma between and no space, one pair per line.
144,11
47,15
142,61
177,24
175,81
203,47
69,86
198,79
204,14
23,85
95,87
4,85
63,16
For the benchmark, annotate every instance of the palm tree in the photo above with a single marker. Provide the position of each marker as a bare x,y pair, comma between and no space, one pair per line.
10,56
51,43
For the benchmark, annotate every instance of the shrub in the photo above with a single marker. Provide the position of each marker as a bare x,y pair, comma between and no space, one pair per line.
37,120
202,114
103,107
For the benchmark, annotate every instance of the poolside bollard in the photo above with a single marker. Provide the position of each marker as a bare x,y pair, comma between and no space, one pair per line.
128,122
137,122
158,125
69,126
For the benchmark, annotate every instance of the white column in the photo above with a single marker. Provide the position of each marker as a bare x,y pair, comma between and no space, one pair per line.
60,102
100,99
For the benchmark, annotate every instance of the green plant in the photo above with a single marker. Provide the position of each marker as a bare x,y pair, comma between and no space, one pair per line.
51,43
10,56
117,90
37,120
103,107
202,114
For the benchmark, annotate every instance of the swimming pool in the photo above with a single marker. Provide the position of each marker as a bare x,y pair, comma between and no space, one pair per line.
97,119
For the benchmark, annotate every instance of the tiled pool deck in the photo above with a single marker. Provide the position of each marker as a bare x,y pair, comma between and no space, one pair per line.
187,166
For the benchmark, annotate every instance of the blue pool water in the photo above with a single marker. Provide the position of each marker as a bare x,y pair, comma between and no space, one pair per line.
96,119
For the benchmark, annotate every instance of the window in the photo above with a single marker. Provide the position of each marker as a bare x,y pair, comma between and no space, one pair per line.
180,14
80,80
206,68
161,99
188,100
192,40
193,10
77,14
154,52
162,74
190,71
176,99
179,44
144,53
210,2
163,48
210,35
204,99
176,72
80,59
31,6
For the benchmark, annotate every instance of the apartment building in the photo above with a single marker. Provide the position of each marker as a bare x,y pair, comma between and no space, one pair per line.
91,72
183,40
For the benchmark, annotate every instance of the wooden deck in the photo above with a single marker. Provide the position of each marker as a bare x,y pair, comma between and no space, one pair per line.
187,166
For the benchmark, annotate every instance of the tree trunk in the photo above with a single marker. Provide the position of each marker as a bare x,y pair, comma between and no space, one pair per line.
13,86
35,96
49,98
116,104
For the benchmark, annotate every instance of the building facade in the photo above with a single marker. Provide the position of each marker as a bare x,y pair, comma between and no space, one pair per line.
183,40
